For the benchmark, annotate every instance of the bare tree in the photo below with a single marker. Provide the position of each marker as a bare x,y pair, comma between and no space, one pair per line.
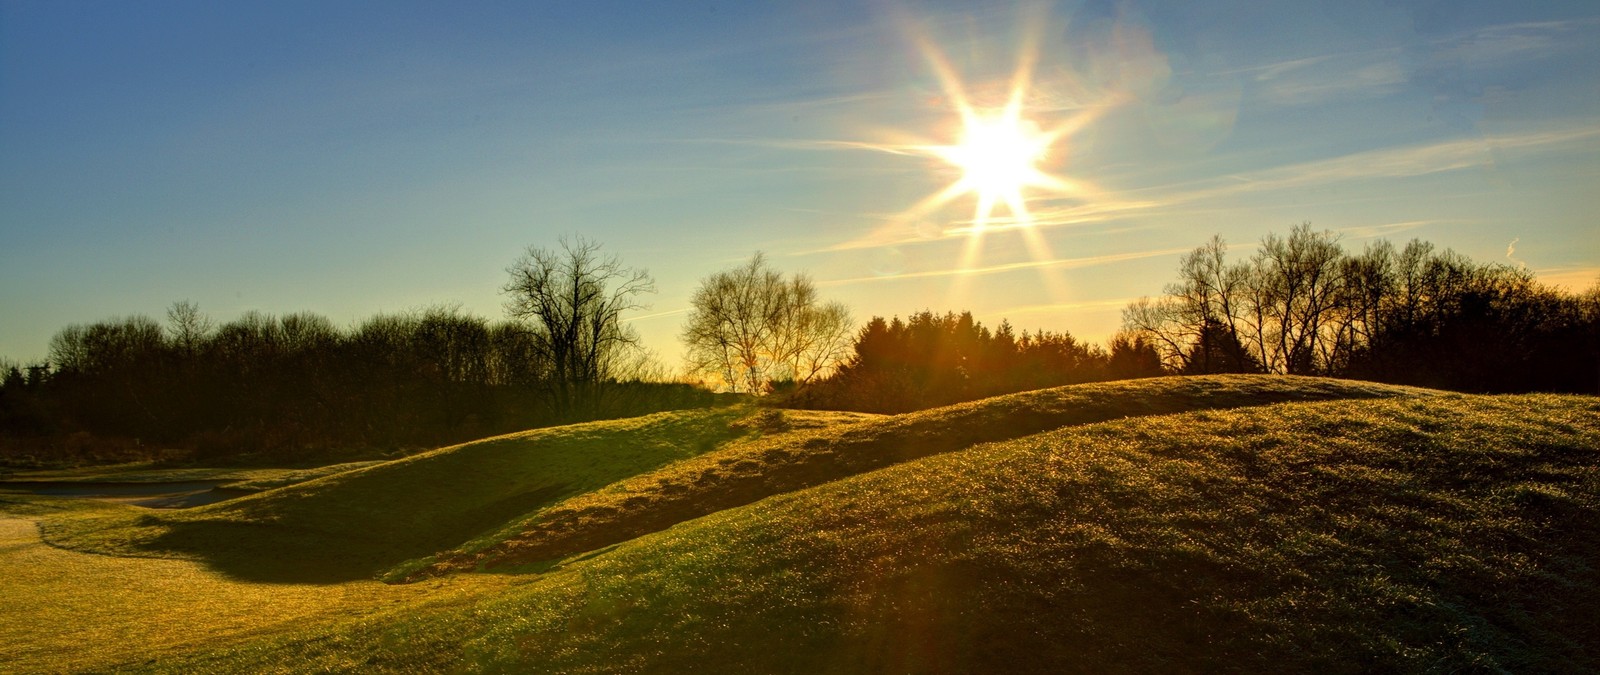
573,298
1293,299
1158,322
1287,309
749,326
823,341
188,326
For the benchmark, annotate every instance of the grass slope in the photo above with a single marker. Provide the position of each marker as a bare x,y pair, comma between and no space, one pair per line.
352,524
742,474
63,611
1409,534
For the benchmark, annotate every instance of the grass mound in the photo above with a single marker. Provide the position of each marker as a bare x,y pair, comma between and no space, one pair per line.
1422,534
352,524
739,475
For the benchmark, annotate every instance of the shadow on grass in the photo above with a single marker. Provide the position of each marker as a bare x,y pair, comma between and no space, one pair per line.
275,553
697,489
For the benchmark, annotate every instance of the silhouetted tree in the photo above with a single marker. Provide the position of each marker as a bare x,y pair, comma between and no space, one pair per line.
1132,356
749,327
1416,316
931,360
572,301
1218,350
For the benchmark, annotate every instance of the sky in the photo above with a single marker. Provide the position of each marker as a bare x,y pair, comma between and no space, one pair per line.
351,158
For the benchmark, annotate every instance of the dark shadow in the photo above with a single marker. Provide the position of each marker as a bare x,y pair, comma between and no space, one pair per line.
273,553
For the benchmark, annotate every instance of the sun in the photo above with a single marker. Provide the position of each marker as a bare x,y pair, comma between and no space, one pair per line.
1008,145
1005,157
999,155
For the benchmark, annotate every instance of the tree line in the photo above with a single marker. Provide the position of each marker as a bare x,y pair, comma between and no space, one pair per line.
930,360
1303,305
297,386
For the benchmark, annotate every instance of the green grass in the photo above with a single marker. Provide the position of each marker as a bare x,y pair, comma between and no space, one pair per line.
1441,534
352,524
63,611
1178,524
744,473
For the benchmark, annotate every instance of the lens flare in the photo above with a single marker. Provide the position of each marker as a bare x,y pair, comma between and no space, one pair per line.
998,155
1007,143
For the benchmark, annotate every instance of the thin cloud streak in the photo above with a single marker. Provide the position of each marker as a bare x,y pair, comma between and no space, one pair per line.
1406,162
810,144
1384,230
1375,72
1083,214
631,319
1058,263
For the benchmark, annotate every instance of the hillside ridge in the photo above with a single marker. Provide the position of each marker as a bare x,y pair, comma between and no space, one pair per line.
715,481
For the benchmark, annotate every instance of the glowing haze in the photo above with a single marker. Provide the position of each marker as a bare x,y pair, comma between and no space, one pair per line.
1044,163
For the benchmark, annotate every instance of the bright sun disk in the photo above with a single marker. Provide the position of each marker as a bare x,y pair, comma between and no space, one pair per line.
997,156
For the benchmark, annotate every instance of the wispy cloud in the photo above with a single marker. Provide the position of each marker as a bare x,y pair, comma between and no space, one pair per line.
1345,77
1402,162
656,315
1385,163
1511,253
1386,229
898,232
1513,42
807,144
1056,263
1377,72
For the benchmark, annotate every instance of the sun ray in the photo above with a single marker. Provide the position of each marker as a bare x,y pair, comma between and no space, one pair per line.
1007,151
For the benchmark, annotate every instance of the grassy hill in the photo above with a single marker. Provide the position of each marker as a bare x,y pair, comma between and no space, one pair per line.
526,498
1175,525
352,524
744,473
1440,534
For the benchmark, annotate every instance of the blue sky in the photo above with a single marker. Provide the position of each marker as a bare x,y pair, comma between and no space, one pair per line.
351,158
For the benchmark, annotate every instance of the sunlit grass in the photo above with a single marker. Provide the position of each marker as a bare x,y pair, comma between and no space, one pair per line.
1444,533
351,525
1210,529
742,473
67,611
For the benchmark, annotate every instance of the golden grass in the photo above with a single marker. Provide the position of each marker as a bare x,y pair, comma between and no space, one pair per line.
67,611
1205,531
741,473
1449,533
350,525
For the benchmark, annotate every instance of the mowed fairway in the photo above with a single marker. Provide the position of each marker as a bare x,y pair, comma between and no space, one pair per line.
69,611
